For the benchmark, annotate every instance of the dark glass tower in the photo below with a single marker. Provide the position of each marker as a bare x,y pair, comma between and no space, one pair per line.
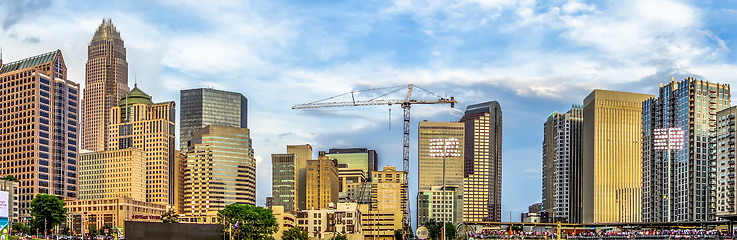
202,107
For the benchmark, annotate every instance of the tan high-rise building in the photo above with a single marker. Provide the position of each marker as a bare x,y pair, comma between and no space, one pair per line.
482,183
221,170
322,182
441,154
289,177
180,164
612,162
113,174
386,212
349,178
38,127
136,122
106,81
302,153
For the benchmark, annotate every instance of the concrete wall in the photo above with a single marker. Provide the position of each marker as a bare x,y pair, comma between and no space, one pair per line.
172,231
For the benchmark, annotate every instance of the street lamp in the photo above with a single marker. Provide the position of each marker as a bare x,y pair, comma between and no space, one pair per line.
444,147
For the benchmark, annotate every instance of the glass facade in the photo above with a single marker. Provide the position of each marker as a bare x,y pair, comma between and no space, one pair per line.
206,106
365,159
444,159
611,175
678,185
561,165
220,170
482,171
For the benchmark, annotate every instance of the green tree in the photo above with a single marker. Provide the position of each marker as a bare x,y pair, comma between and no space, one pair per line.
294,233
248,222
170,217
47,211
11,178
450,231
20,227
433,229
92,228
398,234
339,237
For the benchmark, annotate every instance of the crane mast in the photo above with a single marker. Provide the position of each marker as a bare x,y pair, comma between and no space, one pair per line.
405,103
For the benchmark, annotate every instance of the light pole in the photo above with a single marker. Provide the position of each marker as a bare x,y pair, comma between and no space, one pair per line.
444,147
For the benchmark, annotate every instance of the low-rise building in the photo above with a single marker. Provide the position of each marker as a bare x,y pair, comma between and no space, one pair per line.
12,188
432,205
110,213
285,220
341,218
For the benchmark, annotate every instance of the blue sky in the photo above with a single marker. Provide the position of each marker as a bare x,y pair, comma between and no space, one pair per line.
533,57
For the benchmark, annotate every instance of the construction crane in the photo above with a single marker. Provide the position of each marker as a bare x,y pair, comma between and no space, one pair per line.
405,103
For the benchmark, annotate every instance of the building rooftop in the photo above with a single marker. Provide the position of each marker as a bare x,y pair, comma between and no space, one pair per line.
135,96
106,30
29,62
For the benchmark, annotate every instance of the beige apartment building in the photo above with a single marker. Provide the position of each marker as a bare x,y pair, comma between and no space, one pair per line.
341,218
180,164
349,178
612,157
322,182
106,81
441,160
285,221
388,205
137,122
220,170
725,170
113,174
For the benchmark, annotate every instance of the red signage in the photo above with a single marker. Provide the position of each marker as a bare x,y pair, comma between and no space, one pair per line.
146,217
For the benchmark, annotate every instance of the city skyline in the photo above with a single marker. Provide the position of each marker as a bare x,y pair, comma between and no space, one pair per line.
416,42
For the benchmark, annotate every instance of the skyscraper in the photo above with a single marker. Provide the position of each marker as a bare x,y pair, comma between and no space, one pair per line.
220,171
440,160
725,164
482,182
136,122
562,165
322,182
206,106
289,174
612,163
363,158
106,81
679,184
38,112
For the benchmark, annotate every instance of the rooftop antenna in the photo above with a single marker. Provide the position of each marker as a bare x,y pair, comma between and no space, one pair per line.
135,80
1,57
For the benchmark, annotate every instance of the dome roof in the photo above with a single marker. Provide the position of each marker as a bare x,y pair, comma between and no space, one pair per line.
135,96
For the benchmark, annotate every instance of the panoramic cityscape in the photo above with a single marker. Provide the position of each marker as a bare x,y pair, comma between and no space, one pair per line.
367,120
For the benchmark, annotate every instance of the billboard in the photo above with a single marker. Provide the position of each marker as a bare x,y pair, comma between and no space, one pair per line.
4,205
668,138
